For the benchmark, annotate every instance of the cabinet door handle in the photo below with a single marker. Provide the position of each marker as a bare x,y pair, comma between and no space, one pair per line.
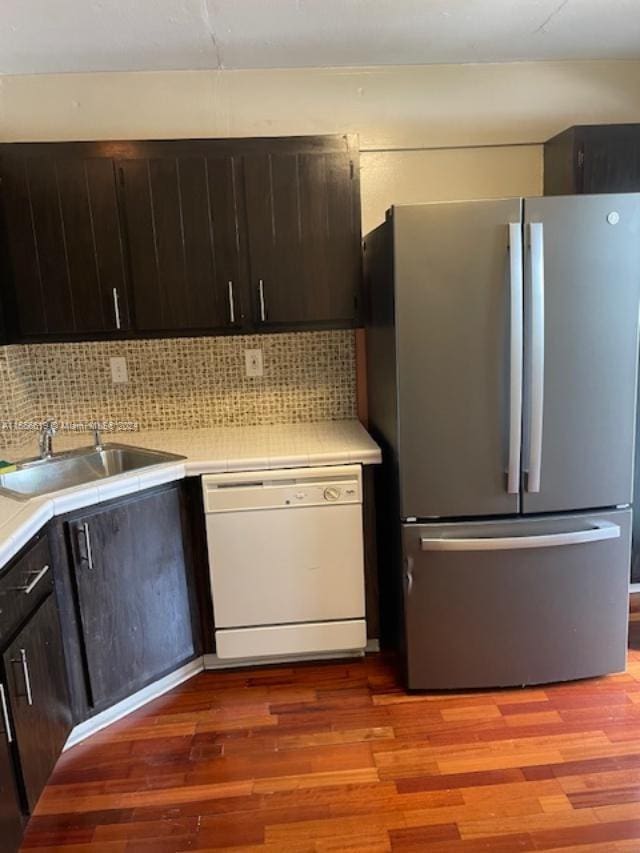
22,660
39,574
232,307
263,313
116,306
5,714
87,539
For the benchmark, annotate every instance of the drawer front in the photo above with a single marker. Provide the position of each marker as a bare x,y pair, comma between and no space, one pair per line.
528,601
23,586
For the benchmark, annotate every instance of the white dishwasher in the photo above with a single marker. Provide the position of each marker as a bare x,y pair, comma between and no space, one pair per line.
286,561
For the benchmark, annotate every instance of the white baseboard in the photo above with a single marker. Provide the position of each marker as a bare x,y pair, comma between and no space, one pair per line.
105,718
132,703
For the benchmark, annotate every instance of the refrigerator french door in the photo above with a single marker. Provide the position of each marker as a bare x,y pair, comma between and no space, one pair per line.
517,334
514,340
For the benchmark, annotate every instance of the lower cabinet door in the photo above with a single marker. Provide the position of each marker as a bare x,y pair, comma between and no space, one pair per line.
10,814
528,601
133,595
38,695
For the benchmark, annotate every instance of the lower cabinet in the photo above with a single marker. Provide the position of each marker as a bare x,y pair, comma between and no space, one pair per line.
133,601
38,697
35,712
93,609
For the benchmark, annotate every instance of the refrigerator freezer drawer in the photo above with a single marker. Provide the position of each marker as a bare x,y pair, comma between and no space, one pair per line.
528,601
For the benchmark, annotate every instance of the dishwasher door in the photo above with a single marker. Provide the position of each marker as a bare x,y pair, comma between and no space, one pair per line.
286,550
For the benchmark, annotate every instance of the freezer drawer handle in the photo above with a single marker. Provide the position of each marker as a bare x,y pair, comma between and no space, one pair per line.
515,362
536,356
600,530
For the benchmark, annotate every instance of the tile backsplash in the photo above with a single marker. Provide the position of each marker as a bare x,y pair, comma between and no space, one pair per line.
180,382
17,405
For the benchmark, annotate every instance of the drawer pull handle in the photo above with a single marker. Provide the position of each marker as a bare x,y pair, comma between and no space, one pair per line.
39,574
5,715
22,660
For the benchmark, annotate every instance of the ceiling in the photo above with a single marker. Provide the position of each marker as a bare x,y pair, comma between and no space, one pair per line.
44,36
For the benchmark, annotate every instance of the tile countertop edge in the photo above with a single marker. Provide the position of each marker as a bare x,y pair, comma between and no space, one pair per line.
20,521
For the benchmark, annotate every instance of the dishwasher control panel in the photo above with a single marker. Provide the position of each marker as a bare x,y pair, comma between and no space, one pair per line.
282,489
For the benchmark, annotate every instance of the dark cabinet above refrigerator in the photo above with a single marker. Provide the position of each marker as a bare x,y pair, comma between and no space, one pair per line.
593,159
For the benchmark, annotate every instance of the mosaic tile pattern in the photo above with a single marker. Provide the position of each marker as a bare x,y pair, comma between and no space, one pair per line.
17,403
186,382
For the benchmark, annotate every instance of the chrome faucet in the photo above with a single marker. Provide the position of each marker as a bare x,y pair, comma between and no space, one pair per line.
45,439
97,439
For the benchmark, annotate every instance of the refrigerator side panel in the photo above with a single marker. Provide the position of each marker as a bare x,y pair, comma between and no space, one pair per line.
383,424
523,602
453,292
381,342
587,294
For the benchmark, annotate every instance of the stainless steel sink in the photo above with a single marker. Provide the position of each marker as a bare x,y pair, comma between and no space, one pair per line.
63,470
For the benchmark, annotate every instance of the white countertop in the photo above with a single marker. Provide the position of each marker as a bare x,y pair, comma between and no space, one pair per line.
207,451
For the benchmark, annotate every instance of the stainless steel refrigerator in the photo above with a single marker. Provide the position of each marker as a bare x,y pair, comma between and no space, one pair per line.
502,357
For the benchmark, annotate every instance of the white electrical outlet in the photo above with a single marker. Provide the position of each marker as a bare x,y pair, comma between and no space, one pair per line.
253,363
119,372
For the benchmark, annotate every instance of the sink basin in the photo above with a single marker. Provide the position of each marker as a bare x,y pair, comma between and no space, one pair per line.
40,476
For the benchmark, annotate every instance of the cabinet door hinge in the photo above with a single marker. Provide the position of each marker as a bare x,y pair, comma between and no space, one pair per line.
580,158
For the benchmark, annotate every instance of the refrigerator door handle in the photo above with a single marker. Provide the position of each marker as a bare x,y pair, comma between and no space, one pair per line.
536,355
597,533
515,362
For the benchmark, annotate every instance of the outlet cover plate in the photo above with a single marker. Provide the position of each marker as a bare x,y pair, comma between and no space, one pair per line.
253,363
119,372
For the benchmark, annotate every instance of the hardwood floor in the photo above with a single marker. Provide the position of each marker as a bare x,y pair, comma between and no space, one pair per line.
336,757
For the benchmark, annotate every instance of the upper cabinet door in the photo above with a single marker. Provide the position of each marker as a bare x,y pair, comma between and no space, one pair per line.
581,352
64,245
185,236
609,159
303,218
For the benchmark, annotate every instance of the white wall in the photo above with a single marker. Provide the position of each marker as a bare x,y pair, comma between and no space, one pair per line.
401,113
405,177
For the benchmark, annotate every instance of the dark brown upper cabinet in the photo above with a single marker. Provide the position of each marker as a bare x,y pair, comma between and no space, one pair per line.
164,237
593,159
64,248
185,230
303,221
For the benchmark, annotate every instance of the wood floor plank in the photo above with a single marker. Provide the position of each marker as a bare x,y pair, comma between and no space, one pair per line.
337,756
